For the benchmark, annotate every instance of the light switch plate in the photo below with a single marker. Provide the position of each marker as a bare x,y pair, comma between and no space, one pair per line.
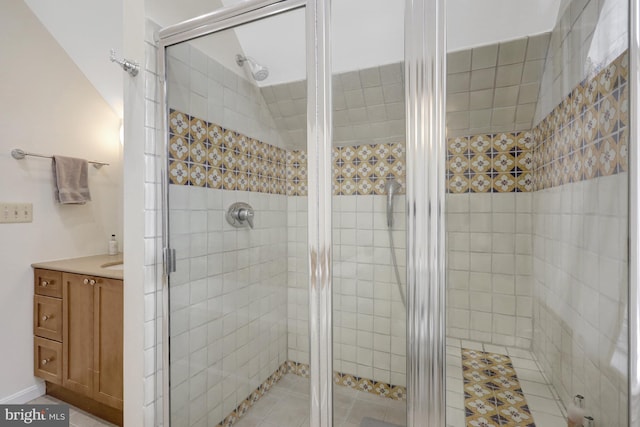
16,212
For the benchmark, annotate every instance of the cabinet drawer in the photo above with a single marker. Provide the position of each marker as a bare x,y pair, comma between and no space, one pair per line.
47,317
48,283
47,357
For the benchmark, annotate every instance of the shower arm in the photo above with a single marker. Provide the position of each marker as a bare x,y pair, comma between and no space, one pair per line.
130,67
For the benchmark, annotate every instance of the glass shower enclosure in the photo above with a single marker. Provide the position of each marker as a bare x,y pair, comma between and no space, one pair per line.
325,213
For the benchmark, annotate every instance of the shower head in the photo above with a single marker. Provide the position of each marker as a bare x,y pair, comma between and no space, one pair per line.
259,72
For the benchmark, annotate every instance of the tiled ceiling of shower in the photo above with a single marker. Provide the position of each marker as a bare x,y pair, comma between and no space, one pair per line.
489,89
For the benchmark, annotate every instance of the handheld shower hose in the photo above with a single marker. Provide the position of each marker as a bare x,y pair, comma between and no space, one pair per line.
392,187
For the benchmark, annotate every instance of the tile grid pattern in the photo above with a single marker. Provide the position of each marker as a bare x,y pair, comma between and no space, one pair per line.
585,136
499,163
493,395
489,267
494,88
228,302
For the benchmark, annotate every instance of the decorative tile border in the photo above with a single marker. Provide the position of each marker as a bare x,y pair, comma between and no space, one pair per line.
204,154
492,393
497,163
379,388
585,136
357,170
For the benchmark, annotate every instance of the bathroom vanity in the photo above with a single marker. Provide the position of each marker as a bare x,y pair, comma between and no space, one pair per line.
78,332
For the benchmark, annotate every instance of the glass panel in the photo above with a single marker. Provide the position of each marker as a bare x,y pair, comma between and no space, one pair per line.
537,222
369,256
238,301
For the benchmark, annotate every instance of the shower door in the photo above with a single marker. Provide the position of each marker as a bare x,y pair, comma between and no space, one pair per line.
236,317
254,132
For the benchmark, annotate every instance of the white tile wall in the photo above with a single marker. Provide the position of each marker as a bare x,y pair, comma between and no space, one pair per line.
298,279
200,86
580,236
580,273
152,375
369,318
587,35
228,301
489,285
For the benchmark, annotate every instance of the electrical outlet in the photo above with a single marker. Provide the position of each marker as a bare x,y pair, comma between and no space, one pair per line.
16,212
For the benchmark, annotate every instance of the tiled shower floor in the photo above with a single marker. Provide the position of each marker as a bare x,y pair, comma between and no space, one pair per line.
287,405
287,402
543,402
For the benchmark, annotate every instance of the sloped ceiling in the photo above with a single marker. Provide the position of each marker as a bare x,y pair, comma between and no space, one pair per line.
87,30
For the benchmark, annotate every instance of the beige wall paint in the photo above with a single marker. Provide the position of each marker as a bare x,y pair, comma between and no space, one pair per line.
48,107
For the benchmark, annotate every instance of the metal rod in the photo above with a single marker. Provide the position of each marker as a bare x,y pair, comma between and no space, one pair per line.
425,72
19,154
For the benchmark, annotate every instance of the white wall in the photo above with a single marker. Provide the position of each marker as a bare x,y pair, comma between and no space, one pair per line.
100,24
48,107
140,259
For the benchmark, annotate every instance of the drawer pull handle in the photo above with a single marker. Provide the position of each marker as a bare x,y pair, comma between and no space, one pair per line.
85,281
45,317
45,361
92,282
44,283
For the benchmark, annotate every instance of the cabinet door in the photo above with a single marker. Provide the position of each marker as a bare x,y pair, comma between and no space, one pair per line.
77,333
108,335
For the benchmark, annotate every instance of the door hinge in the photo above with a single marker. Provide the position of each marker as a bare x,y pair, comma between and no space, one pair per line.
169,260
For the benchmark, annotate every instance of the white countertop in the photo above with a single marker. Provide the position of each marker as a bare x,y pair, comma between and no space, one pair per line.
90,265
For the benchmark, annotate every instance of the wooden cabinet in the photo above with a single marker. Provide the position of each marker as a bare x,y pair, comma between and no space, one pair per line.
81,331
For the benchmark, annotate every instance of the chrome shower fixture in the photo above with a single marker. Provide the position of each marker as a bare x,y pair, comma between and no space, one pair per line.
259,72
391,188
130,67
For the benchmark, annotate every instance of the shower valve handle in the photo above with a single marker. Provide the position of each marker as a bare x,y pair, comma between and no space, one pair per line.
245,214
240,214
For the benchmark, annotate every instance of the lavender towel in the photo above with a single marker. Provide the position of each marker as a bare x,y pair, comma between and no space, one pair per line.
71,182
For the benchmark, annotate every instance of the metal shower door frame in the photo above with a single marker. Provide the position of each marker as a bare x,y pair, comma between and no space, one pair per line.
425,58
634,214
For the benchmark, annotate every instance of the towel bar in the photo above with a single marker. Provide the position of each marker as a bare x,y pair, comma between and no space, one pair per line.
19,154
